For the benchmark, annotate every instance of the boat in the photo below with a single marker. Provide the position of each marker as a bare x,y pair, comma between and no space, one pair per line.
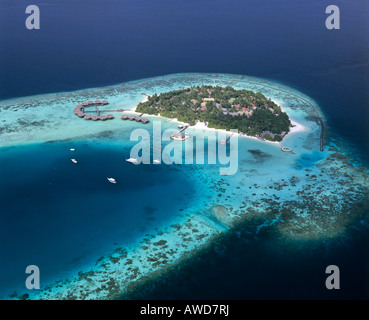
72,149
180,136
132,160
74,160
157,161
111,180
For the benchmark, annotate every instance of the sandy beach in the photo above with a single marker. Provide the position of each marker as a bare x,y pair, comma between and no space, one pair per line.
296,126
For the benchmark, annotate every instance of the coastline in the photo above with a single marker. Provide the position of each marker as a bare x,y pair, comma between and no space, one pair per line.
41,118
240,199
295,128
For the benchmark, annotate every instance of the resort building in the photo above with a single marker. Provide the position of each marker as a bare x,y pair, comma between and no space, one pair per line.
79,111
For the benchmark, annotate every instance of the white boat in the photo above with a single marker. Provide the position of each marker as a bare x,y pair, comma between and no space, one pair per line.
72,149
132,160
157,161
180,136
111,180
74,160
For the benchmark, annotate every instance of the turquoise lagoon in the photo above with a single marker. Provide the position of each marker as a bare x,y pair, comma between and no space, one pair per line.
94,240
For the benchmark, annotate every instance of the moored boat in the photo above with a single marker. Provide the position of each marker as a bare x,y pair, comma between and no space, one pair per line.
111,180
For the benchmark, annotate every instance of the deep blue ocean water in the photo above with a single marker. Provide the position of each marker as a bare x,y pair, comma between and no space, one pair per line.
62,216
96,43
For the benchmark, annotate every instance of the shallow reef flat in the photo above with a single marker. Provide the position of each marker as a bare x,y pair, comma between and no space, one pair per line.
126,269
304,195
49,117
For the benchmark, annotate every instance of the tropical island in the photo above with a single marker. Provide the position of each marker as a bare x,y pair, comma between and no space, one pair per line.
249,112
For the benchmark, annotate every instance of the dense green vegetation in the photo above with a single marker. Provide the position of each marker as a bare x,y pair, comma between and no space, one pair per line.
222,108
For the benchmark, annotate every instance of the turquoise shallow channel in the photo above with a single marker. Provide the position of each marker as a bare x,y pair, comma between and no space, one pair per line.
103,241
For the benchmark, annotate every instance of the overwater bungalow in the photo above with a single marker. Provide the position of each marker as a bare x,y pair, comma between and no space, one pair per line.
103,118
83,104
138,119
110,116
90,102
144,120
87,117
124,117
104,102
95,118
97,102
131,118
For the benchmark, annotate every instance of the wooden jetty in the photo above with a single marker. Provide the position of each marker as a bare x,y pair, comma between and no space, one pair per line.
179,135
184,128
321,134
97,110
79,111
284,148
224,141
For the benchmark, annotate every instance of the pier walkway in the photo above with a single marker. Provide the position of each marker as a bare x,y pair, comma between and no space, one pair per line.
224,141
285,149
97,110
184,128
